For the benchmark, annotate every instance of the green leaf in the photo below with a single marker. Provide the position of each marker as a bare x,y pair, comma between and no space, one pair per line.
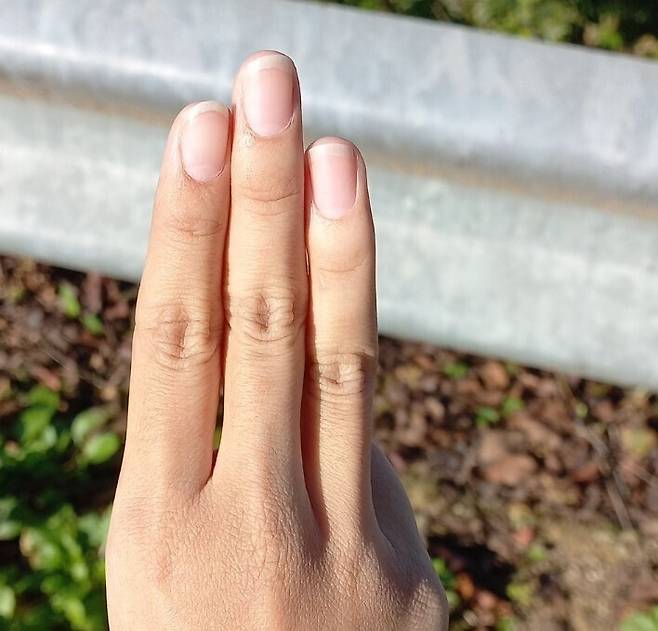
485,416
100,448
41,551
10,527
95,526
446,577
506,624
455,370
72,607
54,583
453,598
641,621
68,300
33,421
44,442
87,422
42,396
581,410
217,437
93,323
439,566
520,593
511,405
38,617
63,440
536,553
7,602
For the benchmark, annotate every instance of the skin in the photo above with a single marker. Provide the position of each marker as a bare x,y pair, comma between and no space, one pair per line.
299,522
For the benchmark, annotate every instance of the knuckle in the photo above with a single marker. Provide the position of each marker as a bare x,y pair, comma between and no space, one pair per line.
269,196
339,376
266,315
191,230
334,266
179,335
188,225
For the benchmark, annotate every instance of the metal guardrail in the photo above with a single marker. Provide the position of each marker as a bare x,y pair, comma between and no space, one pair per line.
515,184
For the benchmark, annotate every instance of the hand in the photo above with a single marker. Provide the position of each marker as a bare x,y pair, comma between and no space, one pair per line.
260,277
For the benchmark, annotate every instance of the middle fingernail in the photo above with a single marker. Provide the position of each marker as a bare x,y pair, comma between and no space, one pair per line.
268,93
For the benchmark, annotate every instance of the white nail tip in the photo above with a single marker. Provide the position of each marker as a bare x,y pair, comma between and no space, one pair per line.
269,60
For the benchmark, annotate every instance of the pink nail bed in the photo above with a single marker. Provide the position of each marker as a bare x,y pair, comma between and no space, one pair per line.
268,93
203,141
333,177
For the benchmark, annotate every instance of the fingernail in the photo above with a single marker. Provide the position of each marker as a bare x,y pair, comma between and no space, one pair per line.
333,177
203,141
268,93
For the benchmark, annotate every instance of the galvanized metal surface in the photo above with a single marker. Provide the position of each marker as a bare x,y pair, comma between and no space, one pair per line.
515,184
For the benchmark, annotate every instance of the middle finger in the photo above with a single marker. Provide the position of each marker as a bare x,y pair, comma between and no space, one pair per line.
266,284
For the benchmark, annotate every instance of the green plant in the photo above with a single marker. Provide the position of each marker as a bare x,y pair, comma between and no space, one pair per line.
70,306
485,416
511,405
455,370
520,593
51,470
68,300
92,323
630,25
536,553
448,581
647,621
506,624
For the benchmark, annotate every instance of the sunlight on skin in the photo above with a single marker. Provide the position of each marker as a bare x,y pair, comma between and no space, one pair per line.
301,523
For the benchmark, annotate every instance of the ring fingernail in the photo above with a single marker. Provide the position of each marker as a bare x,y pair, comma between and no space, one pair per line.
333,177
203,141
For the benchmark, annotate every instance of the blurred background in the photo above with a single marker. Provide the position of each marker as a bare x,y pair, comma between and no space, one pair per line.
536,491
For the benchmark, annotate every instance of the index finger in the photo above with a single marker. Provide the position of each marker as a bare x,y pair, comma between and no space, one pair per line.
175,377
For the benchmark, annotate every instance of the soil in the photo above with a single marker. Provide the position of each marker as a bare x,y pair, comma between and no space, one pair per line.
539,490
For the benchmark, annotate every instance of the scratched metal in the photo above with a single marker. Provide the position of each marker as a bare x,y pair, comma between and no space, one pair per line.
515,184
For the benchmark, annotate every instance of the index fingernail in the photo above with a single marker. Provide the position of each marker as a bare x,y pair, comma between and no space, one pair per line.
204,139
